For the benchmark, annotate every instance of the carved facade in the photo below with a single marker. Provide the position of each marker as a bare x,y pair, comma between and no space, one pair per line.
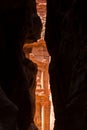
44,117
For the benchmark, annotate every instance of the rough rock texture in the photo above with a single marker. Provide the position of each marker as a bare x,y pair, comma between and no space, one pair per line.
15,17
66,39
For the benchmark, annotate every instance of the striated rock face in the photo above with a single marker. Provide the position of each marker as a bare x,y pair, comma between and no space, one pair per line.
66,39
17,18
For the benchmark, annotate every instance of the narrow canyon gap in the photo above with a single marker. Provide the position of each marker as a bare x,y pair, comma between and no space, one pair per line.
66,40
44,115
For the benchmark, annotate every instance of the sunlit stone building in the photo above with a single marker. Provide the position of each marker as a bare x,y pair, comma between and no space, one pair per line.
44,116
41,57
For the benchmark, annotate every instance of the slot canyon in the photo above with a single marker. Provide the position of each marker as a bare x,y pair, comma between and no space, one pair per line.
44,115
43,65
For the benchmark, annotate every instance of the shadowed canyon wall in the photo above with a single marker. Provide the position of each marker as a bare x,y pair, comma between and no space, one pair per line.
19,23
66,39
